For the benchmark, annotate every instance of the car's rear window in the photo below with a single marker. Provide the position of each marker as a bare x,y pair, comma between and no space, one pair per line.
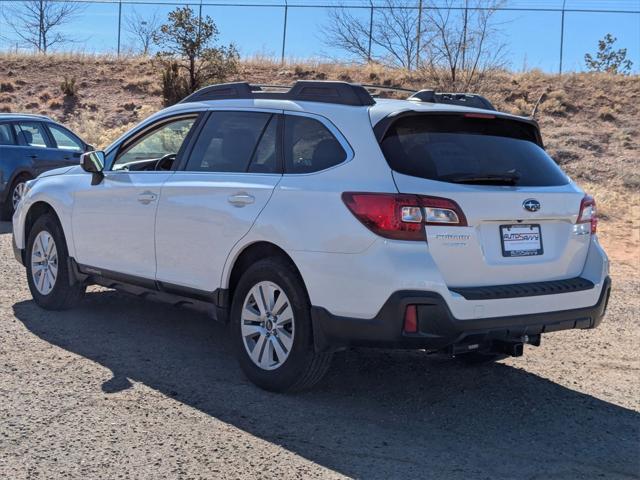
460,149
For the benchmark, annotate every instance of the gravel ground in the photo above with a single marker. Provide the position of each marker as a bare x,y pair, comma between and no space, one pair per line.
122,388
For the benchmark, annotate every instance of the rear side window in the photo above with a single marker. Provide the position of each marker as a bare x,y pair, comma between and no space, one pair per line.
309,146
234,141
6,134
64,140
31,134
459,149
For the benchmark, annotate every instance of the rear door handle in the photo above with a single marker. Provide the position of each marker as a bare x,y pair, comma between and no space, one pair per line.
241,199
147,197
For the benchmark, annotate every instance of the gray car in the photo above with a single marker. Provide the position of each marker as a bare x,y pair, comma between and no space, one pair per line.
30,145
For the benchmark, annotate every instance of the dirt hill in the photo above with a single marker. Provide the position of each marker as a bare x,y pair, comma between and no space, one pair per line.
590,122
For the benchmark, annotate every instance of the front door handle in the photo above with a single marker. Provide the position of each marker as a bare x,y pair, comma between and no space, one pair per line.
147,197
241,199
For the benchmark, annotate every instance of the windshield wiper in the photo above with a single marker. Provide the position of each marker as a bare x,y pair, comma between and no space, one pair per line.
507,178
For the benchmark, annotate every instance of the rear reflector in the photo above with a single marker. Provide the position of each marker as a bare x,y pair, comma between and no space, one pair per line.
588,212
401,216
479,115
411,319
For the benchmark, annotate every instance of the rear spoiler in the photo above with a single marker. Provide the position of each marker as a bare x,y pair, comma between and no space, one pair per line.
382,127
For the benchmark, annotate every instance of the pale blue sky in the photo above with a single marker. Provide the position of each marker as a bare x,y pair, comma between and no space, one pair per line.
532,38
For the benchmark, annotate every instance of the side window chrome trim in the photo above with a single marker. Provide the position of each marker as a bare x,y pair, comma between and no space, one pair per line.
334,131
245,109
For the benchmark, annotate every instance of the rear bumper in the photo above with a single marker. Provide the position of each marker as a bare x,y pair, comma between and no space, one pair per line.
439,329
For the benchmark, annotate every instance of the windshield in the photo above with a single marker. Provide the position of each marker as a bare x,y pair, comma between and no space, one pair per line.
459,149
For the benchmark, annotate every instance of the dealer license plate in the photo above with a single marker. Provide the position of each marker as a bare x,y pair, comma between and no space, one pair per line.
521,240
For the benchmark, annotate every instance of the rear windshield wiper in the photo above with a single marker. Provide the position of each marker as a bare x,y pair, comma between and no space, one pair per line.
508,178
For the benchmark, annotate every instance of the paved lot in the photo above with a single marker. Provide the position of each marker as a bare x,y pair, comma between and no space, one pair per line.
122,388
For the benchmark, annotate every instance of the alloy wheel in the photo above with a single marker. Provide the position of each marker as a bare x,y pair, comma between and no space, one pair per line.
18,193
44,262
267,325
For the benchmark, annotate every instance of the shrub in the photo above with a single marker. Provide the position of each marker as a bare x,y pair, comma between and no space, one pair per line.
7,87
607,114
189,56
68,87
174,85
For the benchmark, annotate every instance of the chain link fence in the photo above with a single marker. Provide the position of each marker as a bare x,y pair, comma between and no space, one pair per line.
294,29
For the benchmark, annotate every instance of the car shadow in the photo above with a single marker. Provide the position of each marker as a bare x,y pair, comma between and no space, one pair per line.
5,227
377,414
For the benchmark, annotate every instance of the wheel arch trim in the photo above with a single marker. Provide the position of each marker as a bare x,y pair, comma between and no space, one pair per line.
250,252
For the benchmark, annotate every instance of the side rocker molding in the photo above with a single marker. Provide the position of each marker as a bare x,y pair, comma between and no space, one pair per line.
214,304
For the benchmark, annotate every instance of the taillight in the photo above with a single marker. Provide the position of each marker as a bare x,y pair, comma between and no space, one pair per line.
588,213
401,216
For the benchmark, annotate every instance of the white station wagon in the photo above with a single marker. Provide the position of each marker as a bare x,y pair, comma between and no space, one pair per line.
318,217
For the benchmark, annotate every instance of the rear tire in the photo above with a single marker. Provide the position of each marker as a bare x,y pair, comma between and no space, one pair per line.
271,328
50,281
15,192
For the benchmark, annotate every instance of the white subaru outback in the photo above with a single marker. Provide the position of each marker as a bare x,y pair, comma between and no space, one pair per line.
318,217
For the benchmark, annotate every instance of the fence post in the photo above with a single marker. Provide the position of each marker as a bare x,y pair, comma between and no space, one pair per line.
370,31
418,36
119,24
562,36
284,30
199,19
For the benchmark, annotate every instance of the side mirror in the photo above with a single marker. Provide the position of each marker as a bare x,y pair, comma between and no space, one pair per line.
93,162
89,148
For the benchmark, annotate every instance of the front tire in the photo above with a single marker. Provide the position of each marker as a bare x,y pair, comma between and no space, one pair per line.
271,329
48,275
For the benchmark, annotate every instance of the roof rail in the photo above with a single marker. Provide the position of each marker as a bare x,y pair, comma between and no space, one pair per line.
341,93
384,88
28,115
465,99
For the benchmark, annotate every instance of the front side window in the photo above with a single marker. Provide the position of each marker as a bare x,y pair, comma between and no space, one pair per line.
236,142
31,134
6,134
156,149
309,146
64,140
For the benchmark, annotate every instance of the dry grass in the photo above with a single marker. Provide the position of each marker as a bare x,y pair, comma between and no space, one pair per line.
590,122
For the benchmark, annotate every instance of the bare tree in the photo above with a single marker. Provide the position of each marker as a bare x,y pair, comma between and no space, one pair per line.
453,43
387,36
462,44
37,22
142,29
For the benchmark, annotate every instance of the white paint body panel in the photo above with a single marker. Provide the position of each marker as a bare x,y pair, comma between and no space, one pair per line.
112,229
474,256
197,227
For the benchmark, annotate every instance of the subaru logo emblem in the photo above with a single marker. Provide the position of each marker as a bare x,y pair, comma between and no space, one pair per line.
531,205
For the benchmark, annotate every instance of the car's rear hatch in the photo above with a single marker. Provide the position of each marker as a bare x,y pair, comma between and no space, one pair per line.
520,209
